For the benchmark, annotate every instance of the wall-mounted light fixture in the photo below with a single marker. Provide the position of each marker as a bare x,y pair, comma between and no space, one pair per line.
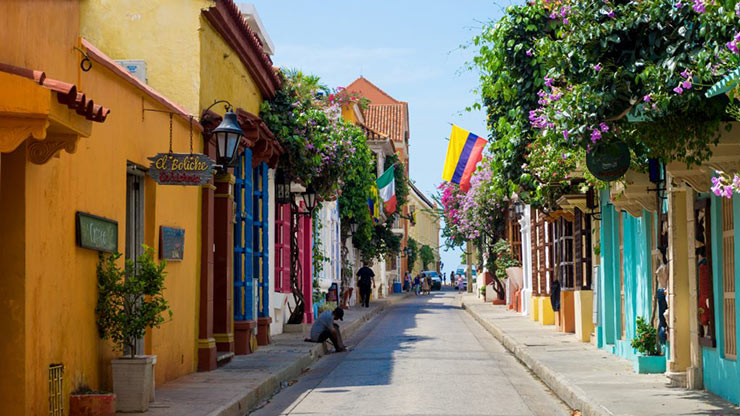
228,135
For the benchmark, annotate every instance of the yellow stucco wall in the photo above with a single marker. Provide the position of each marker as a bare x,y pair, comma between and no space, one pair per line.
426,230
164,33
223,76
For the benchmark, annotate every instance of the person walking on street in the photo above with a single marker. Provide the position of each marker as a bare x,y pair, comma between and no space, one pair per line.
417,284
452,278
366,279
324,328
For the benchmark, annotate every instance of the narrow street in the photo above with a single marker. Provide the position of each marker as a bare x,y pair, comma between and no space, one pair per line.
425,356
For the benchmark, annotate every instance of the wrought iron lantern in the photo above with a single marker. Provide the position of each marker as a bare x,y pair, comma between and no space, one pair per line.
228,134
282,188
309,198
353,226
519,209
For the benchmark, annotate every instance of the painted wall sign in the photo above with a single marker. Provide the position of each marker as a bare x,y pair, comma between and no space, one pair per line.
181,168
96,233
609,161
171,243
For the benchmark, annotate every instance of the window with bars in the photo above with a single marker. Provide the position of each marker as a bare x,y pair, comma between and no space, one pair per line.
282,248
582,249
244,299
260,195
728,279
56,390
564,252
705,280
515,237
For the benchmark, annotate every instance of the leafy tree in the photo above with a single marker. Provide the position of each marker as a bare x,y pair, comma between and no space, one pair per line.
427,256
413,247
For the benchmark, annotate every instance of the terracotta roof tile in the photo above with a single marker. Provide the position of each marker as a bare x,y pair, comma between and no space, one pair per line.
389,119
66,93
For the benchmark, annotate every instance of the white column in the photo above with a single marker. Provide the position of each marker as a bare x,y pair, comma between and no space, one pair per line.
526,232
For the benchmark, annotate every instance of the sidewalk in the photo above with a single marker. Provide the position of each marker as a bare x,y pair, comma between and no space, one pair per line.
247,380
585,377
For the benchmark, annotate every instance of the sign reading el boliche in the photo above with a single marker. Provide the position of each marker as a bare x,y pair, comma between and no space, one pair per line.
181,168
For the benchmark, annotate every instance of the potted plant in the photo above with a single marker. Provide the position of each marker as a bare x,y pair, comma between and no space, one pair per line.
646,343
504,260
85,401
130,301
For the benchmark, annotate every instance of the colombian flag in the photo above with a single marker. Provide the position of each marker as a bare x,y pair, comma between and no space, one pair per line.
463,154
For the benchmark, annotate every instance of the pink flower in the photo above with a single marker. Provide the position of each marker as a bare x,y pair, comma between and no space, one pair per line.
646,98
597,67
565,134
529,52
678,5
699,6
611,14
604,127
678,90
686,85
732,46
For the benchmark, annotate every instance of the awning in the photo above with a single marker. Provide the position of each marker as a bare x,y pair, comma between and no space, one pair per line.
52,113
727,83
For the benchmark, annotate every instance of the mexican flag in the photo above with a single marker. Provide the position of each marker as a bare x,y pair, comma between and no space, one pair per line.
387,190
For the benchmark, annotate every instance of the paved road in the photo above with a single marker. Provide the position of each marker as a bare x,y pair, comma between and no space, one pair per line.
425,356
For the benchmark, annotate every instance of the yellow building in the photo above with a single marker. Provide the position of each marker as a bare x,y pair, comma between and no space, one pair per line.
425,227
61,154
199,52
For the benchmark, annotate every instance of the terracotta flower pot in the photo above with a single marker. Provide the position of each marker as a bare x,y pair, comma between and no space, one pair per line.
92,404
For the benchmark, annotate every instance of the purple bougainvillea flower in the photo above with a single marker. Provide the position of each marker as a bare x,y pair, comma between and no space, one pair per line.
678,5
685,73
566,21
678,90
732,46
529,52
595,135
686,84
604,127
611,14
565,157
548,81
646,98
553,15
565,134
597,67
699,6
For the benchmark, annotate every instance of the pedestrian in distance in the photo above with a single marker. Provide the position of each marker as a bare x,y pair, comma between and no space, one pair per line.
417,285
452,278
366,278
426,285
324,328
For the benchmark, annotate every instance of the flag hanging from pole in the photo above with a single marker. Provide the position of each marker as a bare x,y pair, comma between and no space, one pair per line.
373,204
463,154
387,190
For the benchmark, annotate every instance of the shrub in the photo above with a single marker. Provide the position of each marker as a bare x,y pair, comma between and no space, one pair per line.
130,300
646,338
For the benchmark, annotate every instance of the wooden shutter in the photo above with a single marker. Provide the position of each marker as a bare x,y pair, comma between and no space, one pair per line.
533,236
282,248
728,278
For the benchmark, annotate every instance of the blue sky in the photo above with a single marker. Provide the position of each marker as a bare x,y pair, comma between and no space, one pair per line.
410,49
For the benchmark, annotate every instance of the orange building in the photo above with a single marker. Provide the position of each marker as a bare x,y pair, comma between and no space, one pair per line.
390,117
74,138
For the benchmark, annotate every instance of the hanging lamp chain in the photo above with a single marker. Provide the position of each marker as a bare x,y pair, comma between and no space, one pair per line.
191,134
170,132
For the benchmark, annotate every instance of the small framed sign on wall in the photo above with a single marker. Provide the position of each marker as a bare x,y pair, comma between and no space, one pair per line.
96,233
171,243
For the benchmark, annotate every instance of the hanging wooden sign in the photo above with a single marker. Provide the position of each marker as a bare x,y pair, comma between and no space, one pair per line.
181,168
609,161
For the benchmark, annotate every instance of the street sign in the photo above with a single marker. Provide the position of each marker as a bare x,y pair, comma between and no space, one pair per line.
181,168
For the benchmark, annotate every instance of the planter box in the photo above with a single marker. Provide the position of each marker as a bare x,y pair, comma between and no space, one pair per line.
649,364
132,383
294,328
94,404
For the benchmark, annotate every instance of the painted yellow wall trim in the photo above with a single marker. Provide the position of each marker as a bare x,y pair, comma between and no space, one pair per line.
584,306
547,315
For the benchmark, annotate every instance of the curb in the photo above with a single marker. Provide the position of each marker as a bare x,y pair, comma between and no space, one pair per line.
250,399
571,395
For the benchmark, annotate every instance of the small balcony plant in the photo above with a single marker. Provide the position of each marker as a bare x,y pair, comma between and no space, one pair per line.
130,301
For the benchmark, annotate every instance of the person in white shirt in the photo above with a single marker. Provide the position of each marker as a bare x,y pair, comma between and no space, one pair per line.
324,328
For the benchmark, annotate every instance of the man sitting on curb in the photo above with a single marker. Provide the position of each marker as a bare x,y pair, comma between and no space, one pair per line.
324,328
